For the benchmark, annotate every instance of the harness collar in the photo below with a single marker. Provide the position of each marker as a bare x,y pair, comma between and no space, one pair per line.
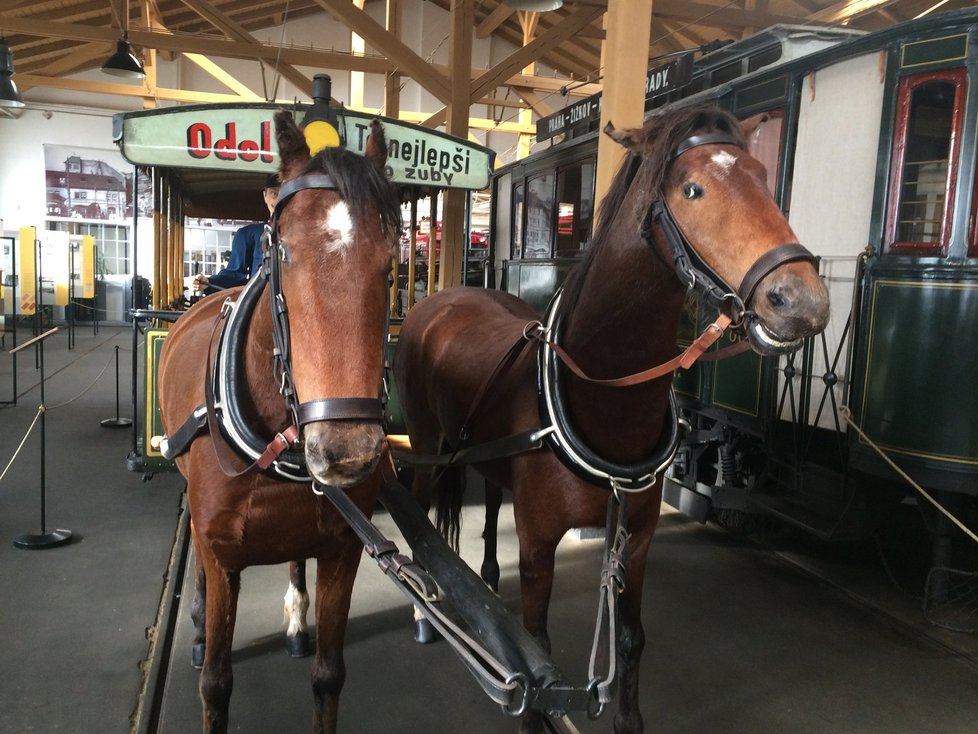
570,448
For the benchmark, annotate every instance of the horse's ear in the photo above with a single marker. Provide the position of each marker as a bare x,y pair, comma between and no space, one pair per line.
749,126
376,149
292,147
630,139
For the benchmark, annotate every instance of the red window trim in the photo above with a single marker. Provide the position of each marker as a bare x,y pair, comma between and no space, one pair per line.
907,85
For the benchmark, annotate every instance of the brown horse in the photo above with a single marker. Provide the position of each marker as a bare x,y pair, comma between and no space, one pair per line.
687,177
333,235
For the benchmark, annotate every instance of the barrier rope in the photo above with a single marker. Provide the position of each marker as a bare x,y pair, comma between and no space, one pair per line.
40,409
97,378
847,417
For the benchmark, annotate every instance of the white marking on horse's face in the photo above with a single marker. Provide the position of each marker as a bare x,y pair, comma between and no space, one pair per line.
724,161
338,227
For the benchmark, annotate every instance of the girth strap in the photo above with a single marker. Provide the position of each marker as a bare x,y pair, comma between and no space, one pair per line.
179,442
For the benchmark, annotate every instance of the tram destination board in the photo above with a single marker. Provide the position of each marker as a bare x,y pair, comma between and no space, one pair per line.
660,80
239,137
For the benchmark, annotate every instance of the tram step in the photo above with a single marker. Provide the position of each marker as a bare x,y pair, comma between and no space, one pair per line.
815,499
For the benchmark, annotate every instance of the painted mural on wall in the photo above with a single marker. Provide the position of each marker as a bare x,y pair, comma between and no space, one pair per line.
90,184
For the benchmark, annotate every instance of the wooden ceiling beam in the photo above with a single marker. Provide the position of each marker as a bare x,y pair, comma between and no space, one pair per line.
228,80
534,101
199,44
29,81
236,32
400,55
499,15
847,10
701,14
550,38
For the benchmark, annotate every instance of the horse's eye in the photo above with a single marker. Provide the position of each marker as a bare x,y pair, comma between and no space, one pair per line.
692,190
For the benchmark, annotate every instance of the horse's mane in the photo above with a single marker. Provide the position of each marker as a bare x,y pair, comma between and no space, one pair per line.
362,185
645,168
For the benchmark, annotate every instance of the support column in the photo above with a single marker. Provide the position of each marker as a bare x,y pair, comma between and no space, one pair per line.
457,123
628,25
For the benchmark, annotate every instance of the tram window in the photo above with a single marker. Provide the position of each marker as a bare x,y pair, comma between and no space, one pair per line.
726,73
575,208
765,145
112,241
928,124
539,217
518,199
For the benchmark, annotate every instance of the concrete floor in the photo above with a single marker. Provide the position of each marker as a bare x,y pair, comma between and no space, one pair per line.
782,635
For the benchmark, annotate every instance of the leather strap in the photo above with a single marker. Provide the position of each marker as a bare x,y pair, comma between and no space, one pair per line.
338,409
685,360
706,139
173,446
512,445
277,446
771,260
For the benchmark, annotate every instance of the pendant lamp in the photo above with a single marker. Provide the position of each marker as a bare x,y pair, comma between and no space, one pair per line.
124,62
537,6
9,95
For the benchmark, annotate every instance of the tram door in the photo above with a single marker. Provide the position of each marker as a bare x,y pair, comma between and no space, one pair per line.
834,221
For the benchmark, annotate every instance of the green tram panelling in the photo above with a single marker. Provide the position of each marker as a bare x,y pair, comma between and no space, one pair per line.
919,397
688,382
535,281
737,381
934,51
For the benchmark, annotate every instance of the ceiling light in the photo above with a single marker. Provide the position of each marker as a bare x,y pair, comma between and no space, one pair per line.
538,6
124,62
9,96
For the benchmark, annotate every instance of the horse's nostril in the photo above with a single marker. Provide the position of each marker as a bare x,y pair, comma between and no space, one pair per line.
776,296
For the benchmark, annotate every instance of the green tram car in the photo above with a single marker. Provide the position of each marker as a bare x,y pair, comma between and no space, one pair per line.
870,145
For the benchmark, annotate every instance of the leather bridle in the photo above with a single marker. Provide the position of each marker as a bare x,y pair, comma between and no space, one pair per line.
321,409
692,270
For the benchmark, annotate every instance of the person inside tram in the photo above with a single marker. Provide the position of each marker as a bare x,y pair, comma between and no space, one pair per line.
246,254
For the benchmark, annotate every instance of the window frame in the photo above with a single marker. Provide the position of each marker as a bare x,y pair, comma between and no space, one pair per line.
891,246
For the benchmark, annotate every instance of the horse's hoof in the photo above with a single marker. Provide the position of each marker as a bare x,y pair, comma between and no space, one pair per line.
424,632
297,645
197,655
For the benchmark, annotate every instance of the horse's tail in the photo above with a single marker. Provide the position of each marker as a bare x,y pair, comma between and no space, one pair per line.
448,492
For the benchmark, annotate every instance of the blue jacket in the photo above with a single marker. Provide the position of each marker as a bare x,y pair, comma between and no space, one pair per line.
246,257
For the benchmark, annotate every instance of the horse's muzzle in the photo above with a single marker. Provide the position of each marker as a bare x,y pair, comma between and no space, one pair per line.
787,307
342,453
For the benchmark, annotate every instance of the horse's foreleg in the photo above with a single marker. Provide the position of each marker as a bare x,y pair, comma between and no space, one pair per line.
490,561
631,634
536,584
216,679
296,605
198,613
334,587
424,631
198,608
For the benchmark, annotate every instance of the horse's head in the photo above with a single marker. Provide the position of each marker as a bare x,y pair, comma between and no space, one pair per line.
707,189
337,223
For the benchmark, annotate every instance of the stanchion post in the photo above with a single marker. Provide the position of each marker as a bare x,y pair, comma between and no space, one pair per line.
116,422
53,538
